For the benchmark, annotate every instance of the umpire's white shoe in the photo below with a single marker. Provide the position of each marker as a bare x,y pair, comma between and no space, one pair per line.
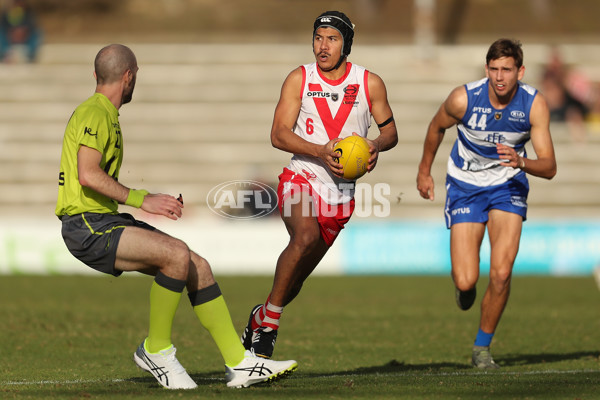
165,367
253,370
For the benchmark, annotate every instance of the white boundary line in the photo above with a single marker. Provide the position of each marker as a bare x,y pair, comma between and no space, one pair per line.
324,376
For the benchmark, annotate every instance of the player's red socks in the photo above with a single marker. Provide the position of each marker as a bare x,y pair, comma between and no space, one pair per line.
268,316
271,319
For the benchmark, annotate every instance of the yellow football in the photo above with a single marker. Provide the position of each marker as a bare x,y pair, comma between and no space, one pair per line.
353,155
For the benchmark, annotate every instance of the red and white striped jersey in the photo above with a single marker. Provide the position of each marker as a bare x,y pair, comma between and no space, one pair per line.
329,110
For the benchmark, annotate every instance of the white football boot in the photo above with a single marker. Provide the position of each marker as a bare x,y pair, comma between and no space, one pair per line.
253,370
165,367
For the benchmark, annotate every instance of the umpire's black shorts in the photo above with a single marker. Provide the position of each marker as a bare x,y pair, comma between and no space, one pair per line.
93,238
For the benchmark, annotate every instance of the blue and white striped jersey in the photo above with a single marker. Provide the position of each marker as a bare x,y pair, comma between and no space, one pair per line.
474,159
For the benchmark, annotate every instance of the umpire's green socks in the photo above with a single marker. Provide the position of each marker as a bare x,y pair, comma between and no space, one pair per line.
211,309
164,299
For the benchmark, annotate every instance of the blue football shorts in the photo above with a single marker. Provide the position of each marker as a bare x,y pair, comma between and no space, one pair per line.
469,203
93,238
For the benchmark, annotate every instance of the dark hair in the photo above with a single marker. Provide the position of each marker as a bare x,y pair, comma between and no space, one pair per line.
505,48
339,21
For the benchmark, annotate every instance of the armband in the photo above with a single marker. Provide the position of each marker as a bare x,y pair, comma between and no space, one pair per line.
136,197
386,122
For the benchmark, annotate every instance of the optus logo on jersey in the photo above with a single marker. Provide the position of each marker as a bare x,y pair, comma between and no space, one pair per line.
320,94
483,110
242,199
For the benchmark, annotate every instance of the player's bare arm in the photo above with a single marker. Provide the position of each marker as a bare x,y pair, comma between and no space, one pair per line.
448,115
382,114
286,114
94,177
545,164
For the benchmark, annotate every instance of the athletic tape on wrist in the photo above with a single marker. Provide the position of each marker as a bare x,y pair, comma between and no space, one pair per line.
136,197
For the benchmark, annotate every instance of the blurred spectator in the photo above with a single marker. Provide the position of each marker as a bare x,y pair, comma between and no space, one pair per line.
18,26
569,94
593,117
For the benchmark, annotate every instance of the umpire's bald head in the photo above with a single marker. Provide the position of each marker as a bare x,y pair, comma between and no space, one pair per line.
112,62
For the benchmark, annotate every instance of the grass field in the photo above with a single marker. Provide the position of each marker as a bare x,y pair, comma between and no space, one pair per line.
73,337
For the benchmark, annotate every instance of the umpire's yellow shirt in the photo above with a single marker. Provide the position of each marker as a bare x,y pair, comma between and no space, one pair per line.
95,124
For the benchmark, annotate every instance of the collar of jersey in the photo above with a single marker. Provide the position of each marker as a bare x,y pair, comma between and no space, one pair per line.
110,107
337,81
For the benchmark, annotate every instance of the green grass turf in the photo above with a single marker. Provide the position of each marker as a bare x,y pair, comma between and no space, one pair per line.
360,337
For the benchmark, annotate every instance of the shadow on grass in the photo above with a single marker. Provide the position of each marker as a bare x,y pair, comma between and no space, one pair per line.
513,360
394,366
204,379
